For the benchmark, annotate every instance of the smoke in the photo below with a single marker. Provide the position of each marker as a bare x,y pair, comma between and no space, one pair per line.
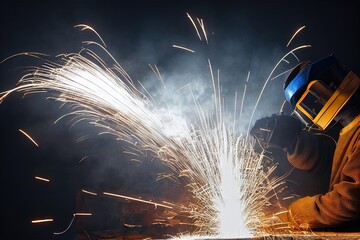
186,79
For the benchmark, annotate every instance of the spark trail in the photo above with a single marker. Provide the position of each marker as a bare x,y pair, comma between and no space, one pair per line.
227,181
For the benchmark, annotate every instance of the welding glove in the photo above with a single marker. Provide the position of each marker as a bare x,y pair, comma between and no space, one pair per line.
277,131
288,221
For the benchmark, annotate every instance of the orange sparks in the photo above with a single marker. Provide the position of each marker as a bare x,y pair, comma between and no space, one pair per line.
137,199
28,136
88,192
42,220
42,179
184,48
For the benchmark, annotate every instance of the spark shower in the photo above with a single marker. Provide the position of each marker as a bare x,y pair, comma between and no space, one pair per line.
229,185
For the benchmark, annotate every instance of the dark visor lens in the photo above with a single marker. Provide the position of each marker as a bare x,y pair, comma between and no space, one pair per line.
312,103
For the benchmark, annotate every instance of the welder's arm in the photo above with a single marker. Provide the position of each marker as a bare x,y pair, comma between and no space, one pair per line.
312,152
305,150
277,131
337,206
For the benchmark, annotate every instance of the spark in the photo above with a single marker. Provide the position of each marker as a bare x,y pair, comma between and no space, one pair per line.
281,74
156,71
83,138
42,179
202,26
132,225
71,222
266,130
42,220
30,54
87,27
184,48
136,161
193,23
183,87
286,61
82,214
27,135
290,197
138,200
83,159
243,96
294,35
89,192
297,59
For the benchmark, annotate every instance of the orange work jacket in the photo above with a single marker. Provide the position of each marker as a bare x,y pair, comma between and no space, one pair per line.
341,204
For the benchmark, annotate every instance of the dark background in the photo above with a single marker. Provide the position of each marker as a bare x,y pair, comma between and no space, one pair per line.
243,36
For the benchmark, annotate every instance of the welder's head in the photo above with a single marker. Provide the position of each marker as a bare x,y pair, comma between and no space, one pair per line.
318,91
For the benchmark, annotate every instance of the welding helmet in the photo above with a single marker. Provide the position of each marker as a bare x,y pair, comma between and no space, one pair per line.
318,91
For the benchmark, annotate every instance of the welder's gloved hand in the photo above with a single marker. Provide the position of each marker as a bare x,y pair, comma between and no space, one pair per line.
277,131
287,220
278,222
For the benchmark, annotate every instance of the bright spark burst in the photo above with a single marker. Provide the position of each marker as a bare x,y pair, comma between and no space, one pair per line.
223,173
226,178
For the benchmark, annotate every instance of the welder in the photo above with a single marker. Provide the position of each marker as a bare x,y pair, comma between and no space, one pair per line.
322,94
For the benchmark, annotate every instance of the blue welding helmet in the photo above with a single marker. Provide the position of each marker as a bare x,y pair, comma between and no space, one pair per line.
319,90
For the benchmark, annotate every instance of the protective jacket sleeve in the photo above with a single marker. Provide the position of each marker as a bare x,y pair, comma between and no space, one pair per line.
342,203
313,152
